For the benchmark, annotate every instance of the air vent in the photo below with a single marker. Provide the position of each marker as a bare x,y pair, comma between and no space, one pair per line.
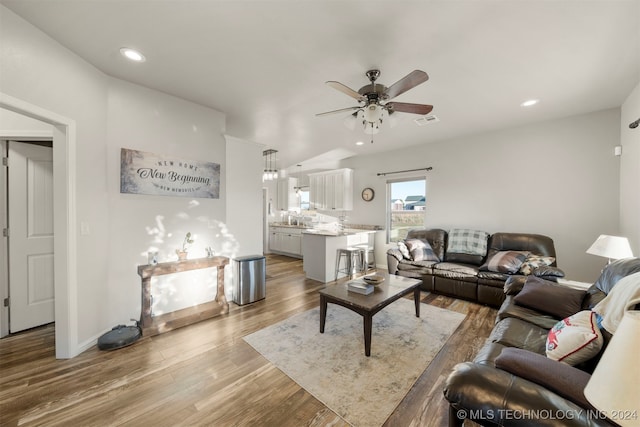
425,120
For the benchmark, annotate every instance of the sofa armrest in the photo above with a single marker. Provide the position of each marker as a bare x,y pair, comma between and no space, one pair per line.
393,259
492,396
548,272
514,284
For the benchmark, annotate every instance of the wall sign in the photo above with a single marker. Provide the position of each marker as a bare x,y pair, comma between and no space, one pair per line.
149,173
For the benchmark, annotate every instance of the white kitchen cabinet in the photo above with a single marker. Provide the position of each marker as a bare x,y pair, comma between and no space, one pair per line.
292,243
286,240
332,190
287,198
275,241
316,191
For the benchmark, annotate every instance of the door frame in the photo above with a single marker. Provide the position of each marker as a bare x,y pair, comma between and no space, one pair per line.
64,221
265,220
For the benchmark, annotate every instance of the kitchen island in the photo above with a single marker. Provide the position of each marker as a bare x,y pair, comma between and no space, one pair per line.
319,249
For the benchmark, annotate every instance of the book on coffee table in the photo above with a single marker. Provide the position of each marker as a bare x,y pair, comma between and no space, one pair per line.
359,287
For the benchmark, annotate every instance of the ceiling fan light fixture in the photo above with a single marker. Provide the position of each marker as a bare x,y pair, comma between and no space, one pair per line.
373,113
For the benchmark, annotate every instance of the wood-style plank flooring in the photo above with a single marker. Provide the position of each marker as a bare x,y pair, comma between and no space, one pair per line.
205,374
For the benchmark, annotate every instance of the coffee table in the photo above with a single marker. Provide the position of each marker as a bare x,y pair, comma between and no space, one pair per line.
391,289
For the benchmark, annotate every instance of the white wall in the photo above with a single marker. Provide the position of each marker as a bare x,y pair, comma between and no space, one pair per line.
147,120
558,178
244,195
630,171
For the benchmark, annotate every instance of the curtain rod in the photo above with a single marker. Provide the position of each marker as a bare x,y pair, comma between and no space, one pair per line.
408,170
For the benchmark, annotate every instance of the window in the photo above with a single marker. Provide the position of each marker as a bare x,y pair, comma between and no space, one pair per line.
405,207
304,200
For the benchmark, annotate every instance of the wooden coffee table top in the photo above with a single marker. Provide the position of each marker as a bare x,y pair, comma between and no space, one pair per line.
390,289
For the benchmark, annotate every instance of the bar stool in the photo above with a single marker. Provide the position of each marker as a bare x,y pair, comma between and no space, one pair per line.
369,259
354,260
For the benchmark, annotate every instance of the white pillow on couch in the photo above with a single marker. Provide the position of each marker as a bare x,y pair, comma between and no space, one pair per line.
575,339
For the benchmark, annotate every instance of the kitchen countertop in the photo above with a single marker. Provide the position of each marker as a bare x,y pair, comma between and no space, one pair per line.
347,232
353,228
304,227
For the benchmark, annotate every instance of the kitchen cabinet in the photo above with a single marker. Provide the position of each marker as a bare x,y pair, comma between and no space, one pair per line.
286,240
316,191
287,198
331,190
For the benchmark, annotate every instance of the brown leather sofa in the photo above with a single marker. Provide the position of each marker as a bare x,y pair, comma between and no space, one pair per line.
459,275
491,396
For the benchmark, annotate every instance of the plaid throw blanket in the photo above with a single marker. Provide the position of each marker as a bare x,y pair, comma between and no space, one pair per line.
464,241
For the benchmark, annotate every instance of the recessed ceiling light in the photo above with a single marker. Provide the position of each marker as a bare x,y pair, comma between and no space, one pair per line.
529,102
359,143
132,54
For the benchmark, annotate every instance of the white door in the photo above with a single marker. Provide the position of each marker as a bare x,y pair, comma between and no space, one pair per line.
30,215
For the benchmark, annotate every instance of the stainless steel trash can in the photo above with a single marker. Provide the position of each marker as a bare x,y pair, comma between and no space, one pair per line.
249,279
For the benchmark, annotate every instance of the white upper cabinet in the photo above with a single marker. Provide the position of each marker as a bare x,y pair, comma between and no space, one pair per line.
287,199
316,191
332,190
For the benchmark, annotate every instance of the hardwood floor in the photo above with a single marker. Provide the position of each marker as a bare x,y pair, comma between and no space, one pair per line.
205,374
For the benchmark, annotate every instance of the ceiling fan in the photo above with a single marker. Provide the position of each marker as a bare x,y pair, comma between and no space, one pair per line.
373,98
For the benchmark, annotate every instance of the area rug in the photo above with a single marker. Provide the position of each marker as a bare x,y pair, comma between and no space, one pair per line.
332,366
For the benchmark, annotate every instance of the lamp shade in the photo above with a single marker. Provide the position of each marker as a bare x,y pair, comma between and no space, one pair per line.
614,387
612,247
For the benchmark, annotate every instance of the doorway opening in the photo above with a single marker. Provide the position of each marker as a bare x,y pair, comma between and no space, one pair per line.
64,222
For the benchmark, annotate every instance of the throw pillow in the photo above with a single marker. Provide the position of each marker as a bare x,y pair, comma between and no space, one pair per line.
562,379
534,261
465,241
549,297
505,262
575,339
402,247
421,250
546,271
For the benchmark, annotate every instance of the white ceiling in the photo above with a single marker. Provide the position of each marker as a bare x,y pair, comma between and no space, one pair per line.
264,62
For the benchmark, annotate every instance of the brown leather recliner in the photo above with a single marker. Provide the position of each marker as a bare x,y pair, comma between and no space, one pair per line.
490,396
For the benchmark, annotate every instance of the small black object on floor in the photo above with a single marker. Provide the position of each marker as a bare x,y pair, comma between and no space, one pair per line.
120,336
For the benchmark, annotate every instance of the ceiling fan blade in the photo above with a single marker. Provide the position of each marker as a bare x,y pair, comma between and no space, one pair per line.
346,90
342,110
409,81
403,107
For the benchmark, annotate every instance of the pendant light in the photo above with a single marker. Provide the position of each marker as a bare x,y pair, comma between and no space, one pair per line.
270,168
